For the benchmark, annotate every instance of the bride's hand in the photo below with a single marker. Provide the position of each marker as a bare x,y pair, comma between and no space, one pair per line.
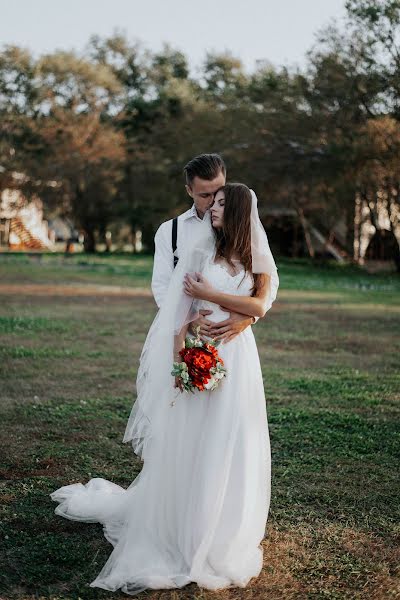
197,286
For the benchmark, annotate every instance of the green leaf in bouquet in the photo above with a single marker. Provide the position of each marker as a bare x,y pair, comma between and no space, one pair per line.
214,343
189,342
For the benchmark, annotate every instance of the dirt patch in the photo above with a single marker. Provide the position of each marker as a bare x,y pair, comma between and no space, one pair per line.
90,289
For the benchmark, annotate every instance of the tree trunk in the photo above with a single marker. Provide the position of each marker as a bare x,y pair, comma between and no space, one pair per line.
89,242
350,217
307,236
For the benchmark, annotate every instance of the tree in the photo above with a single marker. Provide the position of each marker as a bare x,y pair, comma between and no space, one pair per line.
87,157
57,137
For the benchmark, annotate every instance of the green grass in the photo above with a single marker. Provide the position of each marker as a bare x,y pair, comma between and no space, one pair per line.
122,270
329,351
26,326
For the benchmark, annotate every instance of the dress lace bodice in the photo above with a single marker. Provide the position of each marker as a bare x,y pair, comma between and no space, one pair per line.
218,275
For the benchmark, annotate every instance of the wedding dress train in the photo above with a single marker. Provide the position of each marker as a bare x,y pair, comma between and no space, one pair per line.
198,509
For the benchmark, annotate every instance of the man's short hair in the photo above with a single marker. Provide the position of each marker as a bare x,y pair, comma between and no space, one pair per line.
205,166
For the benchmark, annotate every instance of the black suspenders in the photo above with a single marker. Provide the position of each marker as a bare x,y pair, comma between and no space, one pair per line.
174,237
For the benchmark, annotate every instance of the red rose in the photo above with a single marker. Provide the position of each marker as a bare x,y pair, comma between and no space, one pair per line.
199,362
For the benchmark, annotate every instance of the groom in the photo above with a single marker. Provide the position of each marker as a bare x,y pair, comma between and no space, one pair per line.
204,174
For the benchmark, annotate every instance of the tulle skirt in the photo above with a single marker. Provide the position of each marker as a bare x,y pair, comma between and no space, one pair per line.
198,509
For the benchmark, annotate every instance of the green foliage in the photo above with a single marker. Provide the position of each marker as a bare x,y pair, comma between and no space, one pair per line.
103,136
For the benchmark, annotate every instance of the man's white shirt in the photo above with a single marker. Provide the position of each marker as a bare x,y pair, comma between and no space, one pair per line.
188,224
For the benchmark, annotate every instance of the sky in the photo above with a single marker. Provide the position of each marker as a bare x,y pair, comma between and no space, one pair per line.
279,31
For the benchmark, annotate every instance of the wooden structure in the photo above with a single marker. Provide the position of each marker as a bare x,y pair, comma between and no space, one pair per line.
22,226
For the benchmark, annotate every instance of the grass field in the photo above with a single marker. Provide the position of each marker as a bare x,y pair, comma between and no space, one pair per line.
71,332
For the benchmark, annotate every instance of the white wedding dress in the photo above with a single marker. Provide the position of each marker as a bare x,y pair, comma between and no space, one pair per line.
197,511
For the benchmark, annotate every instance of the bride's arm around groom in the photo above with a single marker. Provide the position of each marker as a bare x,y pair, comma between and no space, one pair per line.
187,227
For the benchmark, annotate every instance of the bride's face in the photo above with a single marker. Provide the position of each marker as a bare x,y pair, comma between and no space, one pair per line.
217,210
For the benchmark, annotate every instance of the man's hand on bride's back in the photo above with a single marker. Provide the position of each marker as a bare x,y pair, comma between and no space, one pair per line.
202,322
229,328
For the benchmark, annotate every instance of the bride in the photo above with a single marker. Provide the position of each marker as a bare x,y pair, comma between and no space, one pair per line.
198,509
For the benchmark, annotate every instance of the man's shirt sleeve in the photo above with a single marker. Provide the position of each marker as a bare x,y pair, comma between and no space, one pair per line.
163,266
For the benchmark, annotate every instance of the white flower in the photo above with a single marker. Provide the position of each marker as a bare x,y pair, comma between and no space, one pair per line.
210,384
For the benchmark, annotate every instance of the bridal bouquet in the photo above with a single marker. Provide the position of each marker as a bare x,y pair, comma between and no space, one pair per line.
201,368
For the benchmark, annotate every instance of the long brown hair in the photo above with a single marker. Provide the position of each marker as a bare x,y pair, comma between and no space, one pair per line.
234,237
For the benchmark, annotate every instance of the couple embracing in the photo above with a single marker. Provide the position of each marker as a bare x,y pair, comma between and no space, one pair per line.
197,511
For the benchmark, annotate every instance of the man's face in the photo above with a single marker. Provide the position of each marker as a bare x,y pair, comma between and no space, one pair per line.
202,191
